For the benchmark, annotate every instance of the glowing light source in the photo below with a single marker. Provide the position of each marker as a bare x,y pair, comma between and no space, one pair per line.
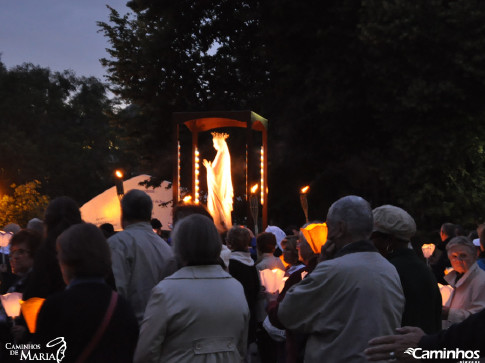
428,249
304,201
262,175
316,235
30,310
178,170
4,241
11,304
254,206
120,191
220,192
197,172
254,188
187,199
272,280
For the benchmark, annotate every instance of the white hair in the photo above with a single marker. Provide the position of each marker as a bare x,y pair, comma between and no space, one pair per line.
356,213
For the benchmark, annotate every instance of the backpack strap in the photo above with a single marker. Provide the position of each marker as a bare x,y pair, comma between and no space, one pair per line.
101,329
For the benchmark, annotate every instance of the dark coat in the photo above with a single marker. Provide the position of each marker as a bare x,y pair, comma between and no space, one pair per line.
467,335
76,314
249,279
423,297
46,277
442,263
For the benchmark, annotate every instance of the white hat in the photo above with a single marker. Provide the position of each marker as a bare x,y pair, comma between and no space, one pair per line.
279,234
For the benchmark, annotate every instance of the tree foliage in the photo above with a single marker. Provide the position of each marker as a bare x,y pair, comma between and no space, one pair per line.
25,203
381,98
55,129
180,56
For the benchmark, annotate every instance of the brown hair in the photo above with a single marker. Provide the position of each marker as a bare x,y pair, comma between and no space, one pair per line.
84,249
266,242
196,241
239,238
30,237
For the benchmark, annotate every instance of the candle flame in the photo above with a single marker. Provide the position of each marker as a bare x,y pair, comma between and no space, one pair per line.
305,189
254,188
187,198
119,174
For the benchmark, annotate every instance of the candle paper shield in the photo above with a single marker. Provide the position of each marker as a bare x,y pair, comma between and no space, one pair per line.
11,303
30,309
272,280
316,235
428,250
5,238
4,241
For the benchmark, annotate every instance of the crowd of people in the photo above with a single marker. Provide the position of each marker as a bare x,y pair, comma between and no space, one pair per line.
199,296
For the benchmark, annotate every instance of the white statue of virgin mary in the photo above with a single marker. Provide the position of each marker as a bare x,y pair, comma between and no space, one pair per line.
219,183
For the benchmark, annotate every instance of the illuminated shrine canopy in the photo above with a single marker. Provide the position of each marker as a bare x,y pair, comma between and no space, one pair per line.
205,121
198,122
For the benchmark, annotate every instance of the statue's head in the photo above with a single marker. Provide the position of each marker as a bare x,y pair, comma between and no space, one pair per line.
218,139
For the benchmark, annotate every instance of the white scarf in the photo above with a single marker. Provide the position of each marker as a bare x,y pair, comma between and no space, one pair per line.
243,257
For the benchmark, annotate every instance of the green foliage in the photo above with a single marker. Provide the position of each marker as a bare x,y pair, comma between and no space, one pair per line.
56,129
25,203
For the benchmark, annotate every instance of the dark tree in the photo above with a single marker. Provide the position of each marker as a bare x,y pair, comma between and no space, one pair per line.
169,56
56,129
370,97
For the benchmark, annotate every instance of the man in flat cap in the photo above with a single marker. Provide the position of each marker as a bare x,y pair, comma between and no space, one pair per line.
393,229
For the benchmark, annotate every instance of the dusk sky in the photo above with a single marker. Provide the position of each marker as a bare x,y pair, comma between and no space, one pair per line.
56,34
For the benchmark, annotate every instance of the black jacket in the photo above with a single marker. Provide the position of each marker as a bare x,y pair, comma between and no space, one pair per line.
76,314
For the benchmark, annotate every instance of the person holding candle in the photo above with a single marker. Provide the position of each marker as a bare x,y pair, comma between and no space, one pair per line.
467,280
266,245
353,295
291,255
295,342
23,246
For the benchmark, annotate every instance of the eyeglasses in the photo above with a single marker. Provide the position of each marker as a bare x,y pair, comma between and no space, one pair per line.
461,257
19,252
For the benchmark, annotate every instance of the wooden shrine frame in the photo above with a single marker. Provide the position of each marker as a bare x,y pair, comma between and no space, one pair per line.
198,122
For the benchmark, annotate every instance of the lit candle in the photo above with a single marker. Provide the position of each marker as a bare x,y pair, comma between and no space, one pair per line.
304,201
254,206
11,304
